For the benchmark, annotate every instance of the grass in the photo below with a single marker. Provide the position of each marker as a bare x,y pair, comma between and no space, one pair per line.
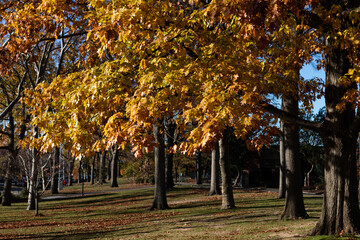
125,215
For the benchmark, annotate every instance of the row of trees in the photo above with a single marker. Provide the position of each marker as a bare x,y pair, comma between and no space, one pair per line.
105,74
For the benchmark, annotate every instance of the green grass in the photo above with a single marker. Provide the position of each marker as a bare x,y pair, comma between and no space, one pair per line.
126,215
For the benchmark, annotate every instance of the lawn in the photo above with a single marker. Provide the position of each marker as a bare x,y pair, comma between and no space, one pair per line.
125,215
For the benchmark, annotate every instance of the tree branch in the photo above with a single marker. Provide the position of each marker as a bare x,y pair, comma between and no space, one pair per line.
12,104
64,36
314,126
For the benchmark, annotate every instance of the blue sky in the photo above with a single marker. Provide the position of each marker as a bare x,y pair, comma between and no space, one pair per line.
310,71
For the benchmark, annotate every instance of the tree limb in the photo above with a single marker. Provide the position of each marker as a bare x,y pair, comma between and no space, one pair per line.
12,104
314,126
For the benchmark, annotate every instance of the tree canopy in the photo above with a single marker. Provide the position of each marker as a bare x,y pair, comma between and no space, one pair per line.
208,65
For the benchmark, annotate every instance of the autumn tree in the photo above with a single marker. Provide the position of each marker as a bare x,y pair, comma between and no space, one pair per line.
221,64
328,28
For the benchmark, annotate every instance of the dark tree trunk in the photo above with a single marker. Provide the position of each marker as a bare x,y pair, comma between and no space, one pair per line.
6,198
198,168
79,172
109,174
55,172
340,211
282,164
71,169
102,169
215,167
92,174
114,169
160,201
294,203
227,191
170,130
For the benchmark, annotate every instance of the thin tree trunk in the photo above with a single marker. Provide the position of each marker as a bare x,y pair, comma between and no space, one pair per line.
227,191
33,179
215,167
294,203
109,173
198,167
71,169
92,175
55,172
340,211
114,162
282,165
80,173
43,177
102,169
237,179
6,198
160,201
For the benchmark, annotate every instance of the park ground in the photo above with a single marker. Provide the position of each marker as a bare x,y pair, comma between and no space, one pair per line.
123,213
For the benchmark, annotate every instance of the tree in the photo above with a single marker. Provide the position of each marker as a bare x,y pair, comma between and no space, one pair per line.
282,164
215,168
294,204
226,183
114,168
220,64
160,201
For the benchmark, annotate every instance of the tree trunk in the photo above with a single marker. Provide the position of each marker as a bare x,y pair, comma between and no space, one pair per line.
80,173
71,169
6,198
198,167
215,167
33,179
294,203
170,129
55,172
227,191
109,173
282,165
102,169
114,171
160,201
42,171
92,174
340,211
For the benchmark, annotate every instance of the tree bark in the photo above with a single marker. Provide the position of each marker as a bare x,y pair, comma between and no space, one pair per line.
71,169
294,203
33,179
340,211
282,165
109,173
114,171
92,174
160,201
227,191
55,172
7,198
102,169
198,167
170,129
215,167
